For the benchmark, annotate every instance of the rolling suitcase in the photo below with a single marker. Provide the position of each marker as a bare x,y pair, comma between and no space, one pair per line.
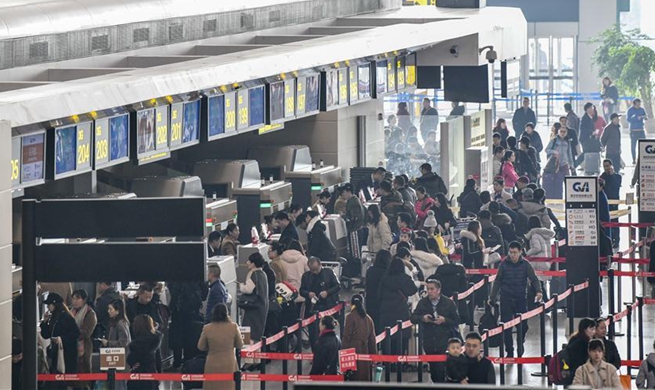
591,163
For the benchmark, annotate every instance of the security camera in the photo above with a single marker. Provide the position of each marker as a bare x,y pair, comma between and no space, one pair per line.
491,55
454,50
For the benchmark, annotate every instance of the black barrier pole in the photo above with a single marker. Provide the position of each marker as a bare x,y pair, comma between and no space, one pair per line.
342,318
612,333
387,341
485,345
472,309
554,319
610,293
262,364
640,326
299,346
629,337
571,307
30,303
399,339
419,350
111,378
587,299
237,380
519,347
285,349
542,337
501,354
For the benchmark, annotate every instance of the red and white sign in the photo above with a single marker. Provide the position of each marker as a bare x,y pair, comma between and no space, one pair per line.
348,359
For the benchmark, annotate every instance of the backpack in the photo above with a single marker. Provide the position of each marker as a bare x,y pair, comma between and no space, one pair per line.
559,372
488,321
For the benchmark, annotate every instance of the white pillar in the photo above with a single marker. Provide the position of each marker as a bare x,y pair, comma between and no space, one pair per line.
595,17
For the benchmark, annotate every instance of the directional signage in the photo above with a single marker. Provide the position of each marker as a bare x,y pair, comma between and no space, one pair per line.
112,358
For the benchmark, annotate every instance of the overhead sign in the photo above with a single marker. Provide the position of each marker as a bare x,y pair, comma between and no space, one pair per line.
581,190
184,124
112,358
150,141
112,140
28,153
647,175
71,150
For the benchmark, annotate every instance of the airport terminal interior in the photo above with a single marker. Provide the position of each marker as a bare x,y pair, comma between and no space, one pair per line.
312,194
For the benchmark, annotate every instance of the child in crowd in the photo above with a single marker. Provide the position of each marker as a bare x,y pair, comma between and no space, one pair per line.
456,363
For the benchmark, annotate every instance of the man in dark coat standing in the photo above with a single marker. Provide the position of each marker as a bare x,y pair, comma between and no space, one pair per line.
611,140
318,243
429,119
523,116
288,229
432,182
320,288
437,315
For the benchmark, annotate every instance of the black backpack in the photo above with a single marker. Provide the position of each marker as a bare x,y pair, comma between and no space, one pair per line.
489,321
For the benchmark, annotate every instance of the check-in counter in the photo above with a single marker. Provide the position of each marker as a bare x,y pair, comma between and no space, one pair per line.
337,232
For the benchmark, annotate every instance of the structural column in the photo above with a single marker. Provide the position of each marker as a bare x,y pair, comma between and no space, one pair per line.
595,17
5,253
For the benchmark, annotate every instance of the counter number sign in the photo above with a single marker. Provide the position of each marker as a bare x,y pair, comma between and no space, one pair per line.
101,141
230,112
354,85
83,146
161,127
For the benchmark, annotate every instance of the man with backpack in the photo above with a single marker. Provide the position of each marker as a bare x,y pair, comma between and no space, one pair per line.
512,283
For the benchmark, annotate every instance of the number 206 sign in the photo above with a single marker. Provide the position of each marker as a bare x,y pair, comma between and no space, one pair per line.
112,358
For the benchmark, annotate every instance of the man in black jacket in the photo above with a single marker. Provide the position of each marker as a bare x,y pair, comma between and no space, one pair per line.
523,116
437,316
400,185
319,244
528,160
320,288
535,139
289,231
143,303
481,370
611,140
587,129
371,181
432,182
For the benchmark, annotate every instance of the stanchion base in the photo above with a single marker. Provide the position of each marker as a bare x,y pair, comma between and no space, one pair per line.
539,374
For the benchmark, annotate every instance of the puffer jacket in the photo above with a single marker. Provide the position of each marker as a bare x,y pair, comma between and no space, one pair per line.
472,255
319,244
428,262
539,239
379,237
296,266
646,375
504,223
531,208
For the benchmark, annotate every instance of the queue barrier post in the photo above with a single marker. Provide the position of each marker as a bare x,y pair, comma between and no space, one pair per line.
554,319
547,362
586,291
111,378
640,326
399,340
387,342
342,318
471,308
299,345
237,380
285,362
542,339
610,287
571,310
485,345
419,350
262,364
501,354
612,333
629,337
519,347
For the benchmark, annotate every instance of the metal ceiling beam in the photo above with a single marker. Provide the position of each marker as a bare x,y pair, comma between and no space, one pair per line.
68,74
217,50
14,85
150,61
282,39
335,30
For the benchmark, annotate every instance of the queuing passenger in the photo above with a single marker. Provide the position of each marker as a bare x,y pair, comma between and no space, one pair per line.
610,96
406,235
437,315
520,222
469,200
528,160
539,239
143,303
359,333
429,118
395,288
572,120
374,276
511,282
326,353
613,191
404,120
586,133
501,128
504,223
379,232
491,234
511,143
320,288
220,338
473,246
144,354
531,208
325,203
64,290
295,263
186,319
400,185
294,211
636,117
497,165
508,172
481,370
107,294
119,330
256,284
535,138
272,324
612,355
86,321
521,184
522,116
422,205
432,182
500,195
444,215
603,205
355,216
456,363
213,244
572,135
646,375
428,262
597,373
60,327
231,240
287,228
431,145
611,140
217,291
578,344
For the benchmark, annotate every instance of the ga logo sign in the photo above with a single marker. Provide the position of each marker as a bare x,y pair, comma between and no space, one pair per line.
650,149
581,186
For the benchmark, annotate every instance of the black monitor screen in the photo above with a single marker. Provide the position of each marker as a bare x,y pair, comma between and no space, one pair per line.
312,93
216,108
276,101
191,121
65,149
467,84
119,131
145,130
257,106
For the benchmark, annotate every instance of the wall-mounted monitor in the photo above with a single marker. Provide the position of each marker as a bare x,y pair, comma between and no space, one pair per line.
185,124
150,141
334,89
32,160
353,83
381,78
257,97
276,102
400,73
467,84
215,116
111,140
364,81
313,92
70,150
410,70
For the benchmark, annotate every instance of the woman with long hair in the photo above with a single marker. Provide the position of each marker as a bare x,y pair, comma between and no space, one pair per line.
429,262
86,321
423,204
501,128
59,326
359,333
220,338
395,289
256,285
143,352
326,355
443,214
404,120
578,345
119,331
473,254
508,171
610,96
379,231
374,276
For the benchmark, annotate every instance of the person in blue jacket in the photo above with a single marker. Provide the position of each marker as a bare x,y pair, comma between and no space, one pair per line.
217,291
636,117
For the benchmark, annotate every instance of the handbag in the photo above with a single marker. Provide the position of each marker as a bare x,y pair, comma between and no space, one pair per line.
247,301
61,363
626,381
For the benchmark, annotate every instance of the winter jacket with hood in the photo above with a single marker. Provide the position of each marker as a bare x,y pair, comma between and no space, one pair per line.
504,223
296,266
394,292
472,256
433,184
319,245
469,202
539,239
529,209
428,262
379,236
646,375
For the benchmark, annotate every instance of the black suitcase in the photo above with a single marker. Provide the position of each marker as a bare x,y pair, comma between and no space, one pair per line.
194,366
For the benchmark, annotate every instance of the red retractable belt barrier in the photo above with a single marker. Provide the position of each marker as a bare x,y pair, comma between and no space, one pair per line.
626,224
73,377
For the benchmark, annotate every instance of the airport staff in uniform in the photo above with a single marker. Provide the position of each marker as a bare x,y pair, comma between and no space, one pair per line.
213,244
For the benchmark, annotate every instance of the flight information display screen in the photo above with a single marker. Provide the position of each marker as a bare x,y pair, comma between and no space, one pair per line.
243,109
119,132
343,85
32,158
332,88
216,113
313,93
276,101
145,131
364,78
301,98
191,123
353,81
381,77
391,75
257,104
65,149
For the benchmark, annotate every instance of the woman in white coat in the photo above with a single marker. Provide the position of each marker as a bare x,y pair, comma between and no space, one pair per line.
379,232
424,258
540,240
